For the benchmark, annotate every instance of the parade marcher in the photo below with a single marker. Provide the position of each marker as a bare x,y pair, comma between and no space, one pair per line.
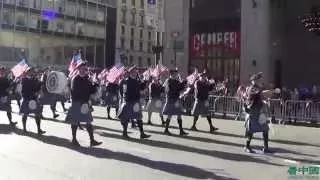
173,86
202,87
155,102
111,97
79,112
131,108
31,88
256,120
5,100
46,97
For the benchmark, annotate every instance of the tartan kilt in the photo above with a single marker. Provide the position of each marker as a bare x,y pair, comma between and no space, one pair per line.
78,113
111,99
155,105
15,96
5,104
172,107
200,107
129,111
254,123
48,99
188,101
25,109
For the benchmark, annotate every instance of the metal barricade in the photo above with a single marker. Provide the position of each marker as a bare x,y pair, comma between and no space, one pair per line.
301,111
227,106
276,107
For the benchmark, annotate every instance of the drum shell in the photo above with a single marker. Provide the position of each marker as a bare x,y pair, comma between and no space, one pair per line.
59,85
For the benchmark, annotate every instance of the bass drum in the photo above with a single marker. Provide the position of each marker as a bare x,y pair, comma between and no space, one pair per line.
56,82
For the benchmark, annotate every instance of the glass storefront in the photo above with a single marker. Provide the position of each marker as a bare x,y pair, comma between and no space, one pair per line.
47,31
215,38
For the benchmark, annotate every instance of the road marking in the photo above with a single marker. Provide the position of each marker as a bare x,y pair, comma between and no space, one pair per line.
291,161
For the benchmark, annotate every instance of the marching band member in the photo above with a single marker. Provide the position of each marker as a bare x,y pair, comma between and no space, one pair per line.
31,88
5,100
111,97
48,98
155,100
173,86
81,89
202,87
254,106
131,108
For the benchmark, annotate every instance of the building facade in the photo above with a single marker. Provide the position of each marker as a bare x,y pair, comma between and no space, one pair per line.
136,35
45,32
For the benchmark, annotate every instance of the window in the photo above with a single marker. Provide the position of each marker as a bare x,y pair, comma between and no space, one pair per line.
124,1
133,2
123,30
140,61
149,62
123,19
141,33
132,44
122,43
133,20
132,32
141,46
149,35
149,47
130,60
141,20
142,4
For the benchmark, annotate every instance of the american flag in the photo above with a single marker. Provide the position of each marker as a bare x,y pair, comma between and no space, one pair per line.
73,74
20,68
76,59
147,74
159,70
115,73
192,78
102,76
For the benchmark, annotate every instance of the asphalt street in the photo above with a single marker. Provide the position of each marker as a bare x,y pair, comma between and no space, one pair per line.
200,155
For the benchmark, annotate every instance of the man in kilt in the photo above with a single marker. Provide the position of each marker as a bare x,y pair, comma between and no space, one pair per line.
256,120
111,97
173,86
31,88
202,87
80,112
46,97
131,108
155,103
5,100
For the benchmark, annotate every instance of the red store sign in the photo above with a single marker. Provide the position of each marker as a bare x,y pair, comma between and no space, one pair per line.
203,41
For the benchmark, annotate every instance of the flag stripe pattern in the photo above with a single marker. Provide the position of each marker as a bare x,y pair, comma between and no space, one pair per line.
19,69
115,73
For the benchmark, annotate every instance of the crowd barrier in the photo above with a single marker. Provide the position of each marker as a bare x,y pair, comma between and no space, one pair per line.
278,110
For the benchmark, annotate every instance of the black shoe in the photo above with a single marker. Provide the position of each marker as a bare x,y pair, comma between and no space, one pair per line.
167,132
40,132
149,123
248,150
213,129
125,135
266,151
55,116
75,143
194,128
163,123
183,133
144,136
13,124
95,143
109,117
